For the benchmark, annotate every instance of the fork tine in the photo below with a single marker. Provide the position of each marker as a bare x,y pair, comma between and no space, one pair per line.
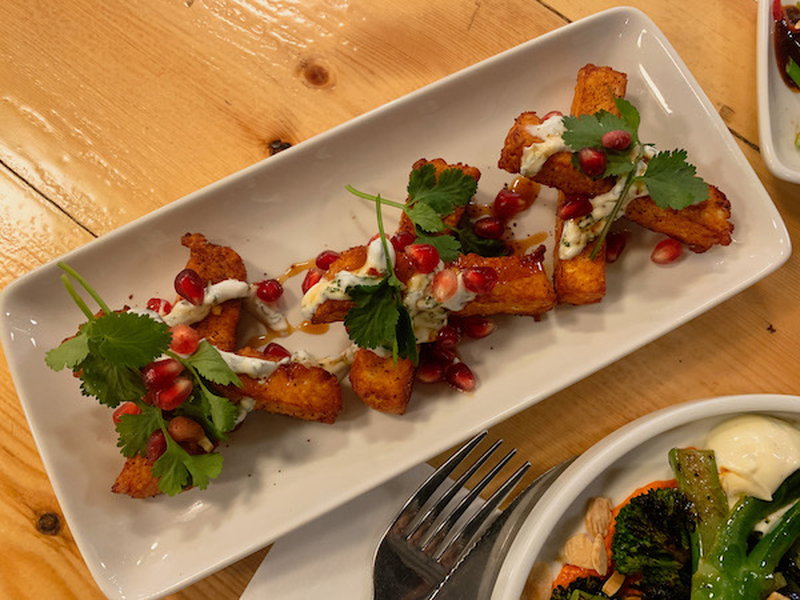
446,525
412,507
453,551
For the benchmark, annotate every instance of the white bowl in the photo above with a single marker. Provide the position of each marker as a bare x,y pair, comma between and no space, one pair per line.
778,106
623,461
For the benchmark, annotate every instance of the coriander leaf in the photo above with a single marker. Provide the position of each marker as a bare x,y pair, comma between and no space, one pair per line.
424,217
70,353
209,364
372,322
471,243
221,412
128,339
587,130
452,188
110,383
672,182
448,247
135,430
176,469
793,71
631,117
406,340
617,164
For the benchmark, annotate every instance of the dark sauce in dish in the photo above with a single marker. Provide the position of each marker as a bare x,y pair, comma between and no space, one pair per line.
787,39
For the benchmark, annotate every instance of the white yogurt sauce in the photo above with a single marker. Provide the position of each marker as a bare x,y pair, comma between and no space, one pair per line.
427,315
257,368
336,288
534,156
754,454
265,312
184,312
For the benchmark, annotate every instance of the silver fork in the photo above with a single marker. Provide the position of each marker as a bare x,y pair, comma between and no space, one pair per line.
417,553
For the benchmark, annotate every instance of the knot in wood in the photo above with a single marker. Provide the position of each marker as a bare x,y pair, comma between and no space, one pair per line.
49,524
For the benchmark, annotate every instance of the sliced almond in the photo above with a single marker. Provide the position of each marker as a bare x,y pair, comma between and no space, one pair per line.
599,555
539,583
598,516
578,551
613,583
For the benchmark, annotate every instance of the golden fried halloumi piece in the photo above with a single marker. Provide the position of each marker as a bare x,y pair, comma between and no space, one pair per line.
214,264
136,479
523,287
381,383
699,227
329,310
308,393
441,165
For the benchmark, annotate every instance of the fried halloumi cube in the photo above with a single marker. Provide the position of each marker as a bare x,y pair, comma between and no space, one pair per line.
381,383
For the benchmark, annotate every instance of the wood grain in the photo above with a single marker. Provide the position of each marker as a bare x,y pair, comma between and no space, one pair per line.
111,110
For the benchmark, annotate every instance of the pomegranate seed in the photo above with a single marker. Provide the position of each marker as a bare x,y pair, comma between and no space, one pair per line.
126,408
176,394
423,257
149,397
430,371
574,207
478,327
666,251
435,353
444,285
448,337
156,445
619,139
537,256
275,352
326,258
189,286
159,374
480,280
615,244
460,376
311,279
491,228
184,339
160,306
552,113
592,161
454,321
401,239
269,291
508,204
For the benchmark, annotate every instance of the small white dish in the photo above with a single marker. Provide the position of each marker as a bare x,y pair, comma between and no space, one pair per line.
280,473
778,106
614,467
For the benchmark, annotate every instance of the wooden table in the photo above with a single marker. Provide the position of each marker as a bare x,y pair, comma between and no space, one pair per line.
111,110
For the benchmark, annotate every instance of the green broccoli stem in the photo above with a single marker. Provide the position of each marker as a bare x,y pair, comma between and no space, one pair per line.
698,479
728,572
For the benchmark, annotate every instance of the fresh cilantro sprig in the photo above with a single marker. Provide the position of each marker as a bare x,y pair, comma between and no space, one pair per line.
379,319
671,181
430,198
108,353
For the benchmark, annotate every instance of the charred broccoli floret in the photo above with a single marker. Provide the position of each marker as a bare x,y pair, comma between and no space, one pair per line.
589,585
653,538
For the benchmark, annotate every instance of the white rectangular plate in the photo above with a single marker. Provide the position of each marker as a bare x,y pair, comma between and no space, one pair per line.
281,473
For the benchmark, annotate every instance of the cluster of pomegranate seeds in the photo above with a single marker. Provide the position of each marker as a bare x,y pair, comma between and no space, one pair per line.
275,352
615,244
423,257
190,286
480,280
490,228
619,139
311,279
160,373
574,207
159,305
326,258
402,239
126,408
592,161
184,339
666,251
269,291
